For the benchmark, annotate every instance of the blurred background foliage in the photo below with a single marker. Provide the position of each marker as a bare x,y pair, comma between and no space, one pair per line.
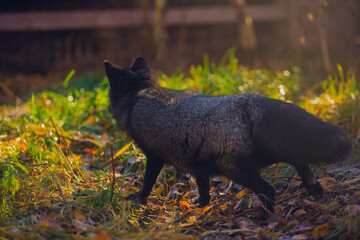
40,41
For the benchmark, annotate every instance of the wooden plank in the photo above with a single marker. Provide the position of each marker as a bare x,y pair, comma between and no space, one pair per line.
271,13
69,20
89,19
199,16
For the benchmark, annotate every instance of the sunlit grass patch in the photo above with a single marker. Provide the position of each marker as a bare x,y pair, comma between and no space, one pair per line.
339,101
232,78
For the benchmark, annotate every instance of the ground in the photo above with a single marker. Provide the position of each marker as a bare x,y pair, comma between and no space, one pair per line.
66,170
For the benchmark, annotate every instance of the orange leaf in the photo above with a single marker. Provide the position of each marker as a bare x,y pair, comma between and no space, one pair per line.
327,182
23,146
184,205
241,193
79,216
207,208
78,237
90,151
202,210
91,119
133,222
224,206
51,216
159,190
45,223
192,219
321,231
102,235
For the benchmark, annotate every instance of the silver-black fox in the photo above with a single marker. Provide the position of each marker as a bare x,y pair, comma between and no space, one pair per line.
233,136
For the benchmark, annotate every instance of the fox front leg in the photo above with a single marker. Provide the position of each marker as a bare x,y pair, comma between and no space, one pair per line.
203,185
153,168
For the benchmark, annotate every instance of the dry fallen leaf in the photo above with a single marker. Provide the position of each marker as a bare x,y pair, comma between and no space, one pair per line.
299,213
23,146
90,120
45,223
224,206
321,231
241,193
280,224
102,235
299,237
184,205
202,210
79,216
134,222
352,209
327,182
90,151
159,190
192,219
82,225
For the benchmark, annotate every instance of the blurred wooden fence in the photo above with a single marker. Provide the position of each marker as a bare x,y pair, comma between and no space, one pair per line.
55,34
46,36
100,19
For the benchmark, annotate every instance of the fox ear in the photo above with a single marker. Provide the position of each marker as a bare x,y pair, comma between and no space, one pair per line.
113,72
140,65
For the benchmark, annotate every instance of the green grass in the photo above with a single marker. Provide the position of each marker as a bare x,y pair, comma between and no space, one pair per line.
55,154
231,78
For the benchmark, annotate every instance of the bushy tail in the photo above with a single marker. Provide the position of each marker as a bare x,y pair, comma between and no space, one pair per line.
290,134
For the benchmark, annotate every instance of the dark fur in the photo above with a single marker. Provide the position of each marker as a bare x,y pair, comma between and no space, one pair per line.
233,136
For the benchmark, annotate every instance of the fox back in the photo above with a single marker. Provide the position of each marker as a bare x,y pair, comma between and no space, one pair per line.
233,136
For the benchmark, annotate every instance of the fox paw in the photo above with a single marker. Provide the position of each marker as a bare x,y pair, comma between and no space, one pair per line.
316,190
201,205
202,202
137,197
260,217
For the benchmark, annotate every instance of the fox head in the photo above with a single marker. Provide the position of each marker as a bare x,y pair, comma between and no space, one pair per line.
126,82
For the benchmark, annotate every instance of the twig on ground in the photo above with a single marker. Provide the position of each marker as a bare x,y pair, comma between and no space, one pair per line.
228,232
113,173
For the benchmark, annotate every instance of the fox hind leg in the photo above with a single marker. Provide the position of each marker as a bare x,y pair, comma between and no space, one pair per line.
264,191
312,186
